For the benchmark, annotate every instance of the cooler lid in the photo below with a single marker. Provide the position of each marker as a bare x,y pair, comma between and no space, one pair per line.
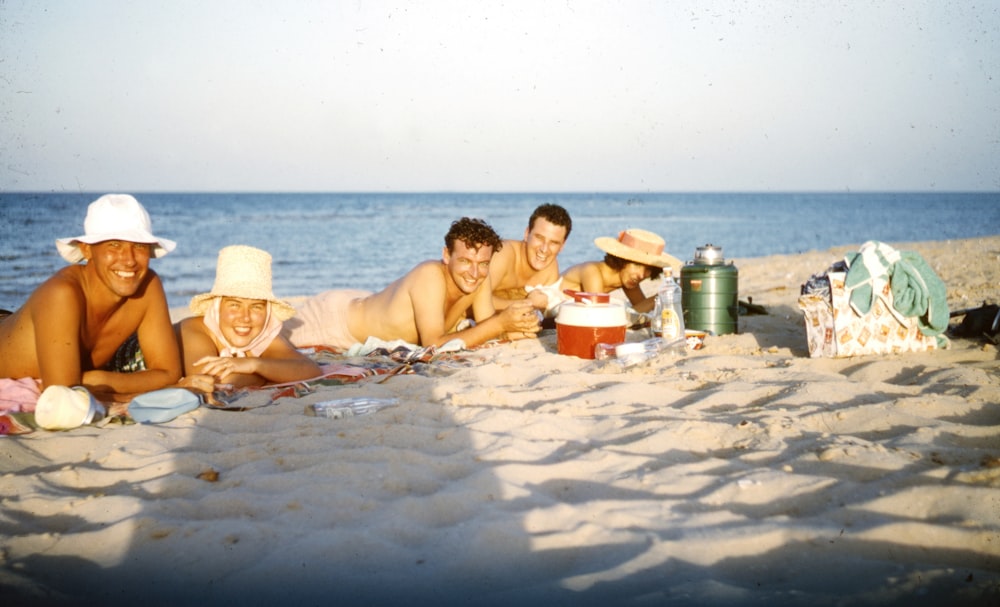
709,254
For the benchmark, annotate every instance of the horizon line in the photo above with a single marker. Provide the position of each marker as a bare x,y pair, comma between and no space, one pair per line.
502,192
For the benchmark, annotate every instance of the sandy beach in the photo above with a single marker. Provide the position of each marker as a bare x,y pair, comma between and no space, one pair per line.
745,472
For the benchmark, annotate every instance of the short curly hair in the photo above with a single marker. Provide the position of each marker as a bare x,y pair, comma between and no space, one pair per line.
554,214
475,233
618,264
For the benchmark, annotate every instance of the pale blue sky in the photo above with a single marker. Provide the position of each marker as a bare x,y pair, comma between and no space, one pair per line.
487,96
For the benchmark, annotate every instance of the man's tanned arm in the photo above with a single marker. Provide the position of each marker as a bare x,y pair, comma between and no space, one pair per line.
159,349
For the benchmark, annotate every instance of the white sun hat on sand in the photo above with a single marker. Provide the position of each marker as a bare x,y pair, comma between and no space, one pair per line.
62,408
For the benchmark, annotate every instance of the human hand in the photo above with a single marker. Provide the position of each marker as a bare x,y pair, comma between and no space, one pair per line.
202,383
514,336
520,317
538,299
221,367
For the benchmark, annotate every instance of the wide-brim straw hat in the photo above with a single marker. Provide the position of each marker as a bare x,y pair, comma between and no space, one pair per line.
114,217
640,246
243,272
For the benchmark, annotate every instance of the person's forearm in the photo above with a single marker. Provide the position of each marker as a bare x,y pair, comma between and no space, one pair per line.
480,333
279,371
499,303
112,382
537,299
645,305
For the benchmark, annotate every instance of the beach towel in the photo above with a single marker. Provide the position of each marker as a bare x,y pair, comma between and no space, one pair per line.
375,360
19,395
374,344
917,291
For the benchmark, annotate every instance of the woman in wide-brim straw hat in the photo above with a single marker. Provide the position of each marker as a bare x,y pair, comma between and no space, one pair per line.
234,336
636,255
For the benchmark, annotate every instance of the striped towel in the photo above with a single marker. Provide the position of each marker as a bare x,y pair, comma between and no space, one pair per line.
916,289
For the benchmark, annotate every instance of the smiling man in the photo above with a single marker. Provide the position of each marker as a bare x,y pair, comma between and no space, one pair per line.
425,307
533,261
75,325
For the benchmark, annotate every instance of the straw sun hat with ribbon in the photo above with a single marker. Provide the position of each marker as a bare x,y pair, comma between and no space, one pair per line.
243,272
639,246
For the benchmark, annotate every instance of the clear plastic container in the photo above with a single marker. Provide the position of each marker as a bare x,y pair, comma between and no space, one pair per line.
668,316
349,407
632,353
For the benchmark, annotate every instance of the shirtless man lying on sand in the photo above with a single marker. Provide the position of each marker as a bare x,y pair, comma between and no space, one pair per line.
531,262
425,306
71,329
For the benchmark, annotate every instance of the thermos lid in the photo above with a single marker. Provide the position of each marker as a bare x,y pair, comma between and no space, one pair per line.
709,254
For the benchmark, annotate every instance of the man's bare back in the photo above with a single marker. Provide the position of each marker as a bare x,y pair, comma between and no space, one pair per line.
426,305
392,312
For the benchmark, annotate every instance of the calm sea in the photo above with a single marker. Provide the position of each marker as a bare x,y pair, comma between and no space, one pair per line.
322,241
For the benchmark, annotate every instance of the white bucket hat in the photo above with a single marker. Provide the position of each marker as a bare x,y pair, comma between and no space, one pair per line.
639,246
62,408
243,272
114,217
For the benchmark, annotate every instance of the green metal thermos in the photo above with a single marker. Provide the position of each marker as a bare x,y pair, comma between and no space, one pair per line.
710,293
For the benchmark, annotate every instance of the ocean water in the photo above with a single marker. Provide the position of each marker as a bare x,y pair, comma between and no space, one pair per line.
341,240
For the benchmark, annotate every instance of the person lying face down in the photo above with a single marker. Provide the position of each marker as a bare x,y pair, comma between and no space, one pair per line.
424,307
234,336
533,261
74,327
636,255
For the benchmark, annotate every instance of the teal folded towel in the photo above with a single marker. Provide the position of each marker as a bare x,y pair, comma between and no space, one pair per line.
917,291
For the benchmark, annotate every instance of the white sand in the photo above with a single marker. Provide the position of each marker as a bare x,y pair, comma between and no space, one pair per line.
745,472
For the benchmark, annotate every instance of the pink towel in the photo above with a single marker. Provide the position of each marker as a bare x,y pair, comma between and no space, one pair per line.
19,395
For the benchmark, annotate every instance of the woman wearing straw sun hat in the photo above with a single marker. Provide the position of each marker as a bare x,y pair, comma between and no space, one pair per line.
634,256
233,337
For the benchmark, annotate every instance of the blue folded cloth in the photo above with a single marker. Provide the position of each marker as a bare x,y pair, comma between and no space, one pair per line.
162,405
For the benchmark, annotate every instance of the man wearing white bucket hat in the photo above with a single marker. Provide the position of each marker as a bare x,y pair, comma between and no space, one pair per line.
234,335
73,324
634,256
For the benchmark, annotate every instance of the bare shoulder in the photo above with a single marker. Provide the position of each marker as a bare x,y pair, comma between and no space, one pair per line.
575,271
192,323
424,278
429,270
154,286
63,287
152,296
504,264
509,250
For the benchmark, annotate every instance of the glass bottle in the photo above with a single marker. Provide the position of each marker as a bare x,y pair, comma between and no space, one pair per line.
668,308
